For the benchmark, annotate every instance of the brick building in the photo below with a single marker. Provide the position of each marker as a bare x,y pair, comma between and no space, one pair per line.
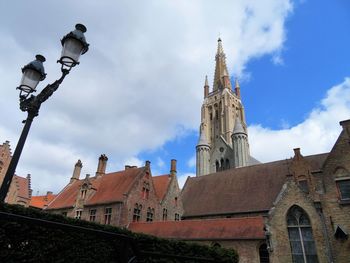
20,189
122,197
292,210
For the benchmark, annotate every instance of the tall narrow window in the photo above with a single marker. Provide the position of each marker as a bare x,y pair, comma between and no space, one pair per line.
108,215
217,166
264,254
150,213
137,213
92,215
145,190
78,214
165,214
83,193
300,236
227,164
177,217
175,201
222,164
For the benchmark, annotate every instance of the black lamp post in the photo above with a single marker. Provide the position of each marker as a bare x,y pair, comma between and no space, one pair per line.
73,45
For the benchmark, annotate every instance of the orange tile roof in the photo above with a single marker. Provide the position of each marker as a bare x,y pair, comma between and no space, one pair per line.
109,188
209,229
161,184
41,201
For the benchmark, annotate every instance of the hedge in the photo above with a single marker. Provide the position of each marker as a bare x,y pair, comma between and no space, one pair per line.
29,235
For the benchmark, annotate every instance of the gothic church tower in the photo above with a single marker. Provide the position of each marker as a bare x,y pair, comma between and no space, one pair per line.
223,142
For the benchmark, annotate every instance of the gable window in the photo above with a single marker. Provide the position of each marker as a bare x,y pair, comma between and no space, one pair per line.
165,214
177,217
150,213
137,213
300,236
64,213
343,186
304,186
145,190
108,215
83,193
175,201
92,215
78,214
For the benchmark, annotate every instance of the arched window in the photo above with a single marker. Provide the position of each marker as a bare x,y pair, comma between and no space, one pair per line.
264,254
300,236
217,166
222,165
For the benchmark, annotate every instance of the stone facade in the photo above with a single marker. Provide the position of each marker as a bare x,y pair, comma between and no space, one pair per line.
301,198
119,198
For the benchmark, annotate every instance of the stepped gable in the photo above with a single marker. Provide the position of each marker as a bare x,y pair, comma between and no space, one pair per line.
161,184
22,186
109,188
210,229
239,190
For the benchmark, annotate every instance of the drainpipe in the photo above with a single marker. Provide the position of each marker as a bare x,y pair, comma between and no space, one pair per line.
329,252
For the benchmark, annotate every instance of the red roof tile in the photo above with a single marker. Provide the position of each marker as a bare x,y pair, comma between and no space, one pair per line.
239,190
161,184
41,201
210,229
109,188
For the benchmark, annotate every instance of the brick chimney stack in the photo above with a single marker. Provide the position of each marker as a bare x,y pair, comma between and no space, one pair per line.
76,171
102,164
173,167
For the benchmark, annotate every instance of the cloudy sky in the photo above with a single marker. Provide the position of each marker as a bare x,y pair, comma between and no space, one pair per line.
137,93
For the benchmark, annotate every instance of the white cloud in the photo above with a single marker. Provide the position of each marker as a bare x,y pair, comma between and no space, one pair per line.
139,85
316,134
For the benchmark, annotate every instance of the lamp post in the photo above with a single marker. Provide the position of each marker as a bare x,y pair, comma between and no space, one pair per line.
73,45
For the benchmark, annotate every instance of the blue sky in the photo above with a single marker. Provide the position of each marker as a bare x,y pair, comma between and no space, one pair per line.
314,57
137,93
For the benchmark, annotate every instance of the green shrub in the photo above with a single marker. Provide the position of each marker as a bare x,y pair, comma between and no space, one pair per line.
31,237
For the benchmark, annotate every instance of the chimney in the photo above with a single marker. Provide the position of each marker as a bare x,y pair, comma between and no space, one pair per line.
76,171
102,164
346,127
297,154
148,164
173,167
29,186
48,193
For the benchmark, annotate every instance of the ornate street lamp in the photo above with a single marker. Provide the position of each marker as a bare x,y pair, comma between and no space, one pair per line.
73,45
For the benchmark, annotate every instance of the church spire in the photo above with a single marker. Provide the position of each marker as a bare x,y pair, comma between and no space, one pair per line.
221,72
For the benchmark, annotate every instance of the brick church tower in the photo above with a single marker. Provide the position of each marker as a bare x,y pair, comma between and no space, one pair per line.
223,141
